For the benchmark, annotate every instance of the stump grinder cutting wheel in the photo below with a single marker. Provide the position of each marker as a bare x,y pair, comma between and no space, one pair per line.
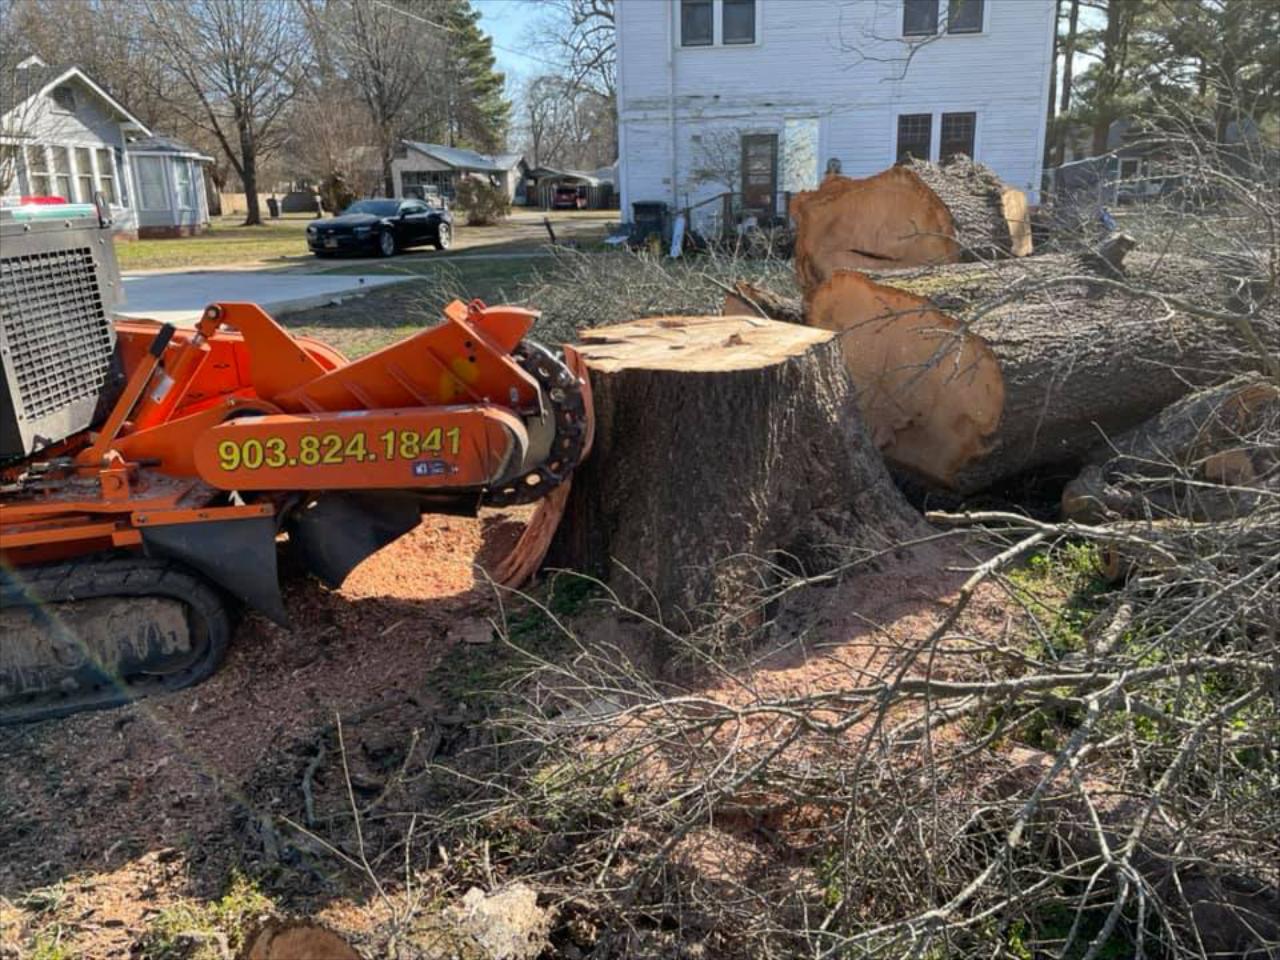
148,474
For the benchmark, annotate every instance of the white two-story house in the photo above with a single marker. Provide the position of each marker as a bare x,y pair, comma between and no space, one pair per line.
759,98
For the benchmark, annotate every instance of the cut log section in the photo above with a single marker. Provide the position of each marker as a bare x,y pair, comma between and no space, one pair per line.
909,215
888,219
931,394
720,442
279,939
1054,364
991,217
1213,455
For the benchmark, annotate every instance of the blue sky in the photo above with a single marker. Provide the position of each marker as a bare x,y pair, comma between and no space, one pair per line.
511,24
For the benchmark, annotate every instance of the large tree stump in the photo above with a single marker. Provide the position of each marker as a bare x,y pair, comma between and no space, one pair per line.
720,442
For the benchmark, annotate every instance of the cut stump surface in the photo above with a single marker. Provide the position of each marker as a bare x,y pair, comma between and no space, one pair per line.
721,442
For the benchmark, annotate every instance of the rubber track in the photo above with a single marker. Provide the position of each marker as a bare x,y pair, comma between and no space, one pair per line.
116,577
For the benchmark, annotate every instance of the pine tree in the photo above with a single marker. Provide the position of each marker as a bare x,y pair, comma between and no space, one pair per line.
475,113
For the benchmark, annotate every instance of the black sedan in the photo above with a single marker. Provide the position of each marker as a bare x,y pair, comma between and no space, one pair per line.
382,227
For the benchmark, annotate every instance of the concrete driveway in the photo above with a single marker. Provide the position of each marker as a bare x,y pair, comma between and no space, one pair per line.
180,298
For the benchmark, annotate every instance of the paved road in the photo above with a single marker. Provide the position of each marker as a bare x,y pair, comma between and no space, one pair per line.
181,297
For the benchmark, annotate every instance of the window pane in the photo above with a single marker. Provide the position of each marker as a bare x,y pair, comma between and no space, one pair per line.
914,132
9,162
151,188
919,18
957,135
964,16
38,181
695,23
84,175
64,98
739,21
107,179
62,172
182,174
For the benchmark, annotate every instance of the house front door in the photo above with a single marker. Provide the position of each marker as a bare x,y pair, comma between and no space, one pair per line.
759,173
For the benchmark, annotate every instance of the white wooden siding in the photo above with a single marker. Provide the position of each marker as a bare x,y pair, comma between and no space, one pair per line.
841,62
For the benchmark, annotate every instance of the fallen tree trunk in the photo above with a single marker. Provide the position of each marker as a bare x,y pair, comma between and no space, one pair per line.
909,215
1213,455
991,218
972,373
723,444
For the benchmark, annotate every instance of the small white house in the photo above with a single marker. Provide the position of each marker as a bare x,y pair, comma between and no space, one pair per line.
169,187
61,135
758,98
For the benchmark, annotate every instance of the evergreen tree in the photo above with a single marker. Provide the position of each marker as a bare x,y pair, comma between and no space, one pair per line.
474,113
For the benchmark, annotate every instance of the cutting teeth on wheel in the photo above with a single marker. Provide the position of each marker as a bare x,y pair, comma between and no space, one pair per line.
568,411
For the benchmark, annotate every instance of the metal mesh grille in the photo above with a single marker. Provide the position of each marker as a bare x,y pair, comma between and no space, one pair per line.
57,328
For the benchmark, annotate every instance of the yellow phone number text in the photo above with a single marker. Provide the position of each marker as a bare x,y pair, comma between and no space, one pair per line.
331,449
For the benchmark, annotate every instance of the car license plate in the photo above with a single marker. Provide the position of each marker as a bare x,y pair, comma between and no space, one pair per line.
330,241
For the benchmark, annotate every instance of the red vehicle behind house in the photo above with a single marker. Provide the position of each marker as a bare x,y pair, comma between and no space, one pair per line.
568,198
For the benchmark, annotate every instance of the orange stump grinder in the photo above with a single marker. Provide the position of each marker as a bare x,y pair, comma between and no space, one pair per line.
148,474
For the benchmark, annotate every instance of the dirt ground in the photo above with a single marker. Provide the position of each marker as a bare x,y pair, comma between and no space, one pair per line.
109,821
107,818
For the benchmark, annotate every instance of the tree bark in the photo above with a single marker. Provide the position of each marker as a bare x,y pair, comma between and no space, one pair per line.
1068,69
723,446
1213,455
1054,359
249,176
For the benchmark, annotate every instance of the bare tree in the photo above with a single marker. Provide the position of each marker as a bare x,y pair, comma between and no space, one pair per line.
565,124
388,54
581,36
239,60
584,40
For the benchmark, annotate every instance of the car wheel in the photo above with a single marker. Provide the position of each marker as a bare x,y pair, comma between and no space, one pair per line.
387,243
323,254
444,236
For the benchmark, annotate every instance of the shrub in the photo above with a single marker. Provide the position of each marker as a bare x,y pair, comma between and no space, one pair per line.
483,203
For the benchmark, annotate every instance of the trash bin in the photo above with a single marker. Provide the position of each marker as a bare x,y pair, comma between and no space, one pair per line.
649,218
273,208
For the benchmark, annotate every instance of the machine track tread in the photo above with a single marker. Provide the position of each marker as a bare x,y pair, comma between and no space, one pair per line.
48,586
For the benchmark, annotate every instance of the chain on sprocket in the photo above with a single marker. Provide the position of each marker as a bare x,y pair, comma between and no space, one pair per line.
567,406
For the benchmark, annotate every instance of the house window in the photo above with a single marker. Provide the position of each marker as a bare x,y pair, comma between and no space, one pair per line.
39,183
957,135
914,133
919,18
61,173
182,181
64,98
697,23
9,154
107,176
964,16
84,175
739,22
152,194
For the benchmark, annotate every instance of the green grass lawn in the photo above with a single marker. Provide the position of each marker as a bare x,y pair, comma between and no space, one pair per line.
363,324
225,242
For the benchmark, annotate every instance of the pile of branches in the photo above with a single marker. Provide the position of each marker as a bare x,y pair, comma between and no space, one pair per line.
1066,791
582,290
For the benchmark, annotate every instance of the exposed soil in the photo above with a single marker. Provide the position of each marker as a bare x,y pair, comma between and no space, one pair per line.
108,819
131,808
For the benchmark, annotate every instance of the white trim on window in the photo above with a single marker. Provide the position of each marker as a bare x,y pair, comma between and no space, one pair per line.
717,28
935,128
941,24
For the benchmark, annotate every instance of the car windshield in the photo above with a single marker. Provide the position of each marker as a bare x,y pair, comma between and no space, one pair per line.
379,208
